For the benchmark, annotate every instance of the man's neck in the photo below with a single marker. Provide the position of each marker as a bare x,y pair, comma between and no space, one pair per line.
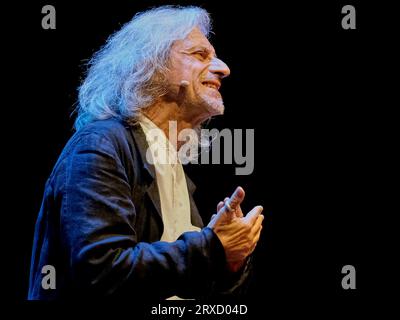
162,113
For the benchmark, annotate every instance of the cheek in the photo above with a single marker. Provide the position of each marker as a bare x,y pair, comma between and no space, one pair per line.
178,72
198,71
197,78
199,89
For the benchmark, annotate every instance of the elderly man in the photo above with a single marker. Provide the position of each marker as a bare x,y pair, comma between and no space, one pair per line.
112,223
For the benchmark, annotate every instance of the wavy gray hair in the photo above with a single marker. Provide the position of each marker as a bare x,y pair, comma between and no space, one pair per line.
127,74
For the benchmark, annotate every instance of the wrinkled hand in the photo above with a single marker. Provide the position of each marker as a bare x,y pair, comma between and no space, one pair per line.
238,234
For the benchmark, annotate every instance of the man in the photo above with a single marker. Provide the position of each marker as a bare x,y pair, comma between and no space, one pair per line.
111,222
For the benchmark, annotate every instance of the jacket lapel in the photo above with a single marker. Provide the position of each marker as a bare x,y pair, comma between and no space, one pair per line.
194,212
142,147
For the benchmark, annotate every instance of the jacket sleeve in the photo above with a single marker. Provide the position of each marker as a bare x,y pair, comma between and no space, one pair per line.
98,234
234,285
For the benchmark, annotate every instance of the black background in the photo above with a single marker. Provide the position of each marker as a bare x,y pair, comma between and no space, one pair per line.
316,95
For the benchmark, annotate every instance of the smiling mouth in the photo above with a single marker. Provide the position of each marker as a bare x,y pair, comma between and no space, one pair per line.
212,84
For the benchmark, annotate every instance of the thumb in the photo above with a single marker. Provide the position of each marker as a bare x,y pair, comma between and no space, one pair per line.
252,216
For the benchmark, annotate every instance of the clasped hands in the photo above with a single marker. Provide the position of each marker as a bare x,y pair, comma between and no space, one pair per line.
238,234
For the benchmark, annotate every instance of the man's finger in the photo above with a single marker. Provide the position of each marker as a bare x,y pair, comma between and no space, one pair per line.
256,239
252,216
220,205
232,203
239,212
236,199
257,225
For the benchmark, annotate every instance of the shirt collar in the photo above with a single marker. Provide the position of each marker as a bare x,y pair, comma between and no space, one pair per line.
160,146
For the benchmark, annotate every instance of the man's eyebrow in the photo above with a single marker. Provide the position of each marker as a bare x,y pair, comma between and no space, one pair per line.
200,47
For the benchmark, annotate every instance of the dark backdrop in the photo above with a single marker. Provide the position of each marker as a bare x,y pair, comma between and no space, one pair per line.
314,93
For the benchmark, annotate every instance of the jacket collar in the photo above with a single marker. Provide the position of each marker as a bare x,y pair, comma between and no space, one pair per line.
142,147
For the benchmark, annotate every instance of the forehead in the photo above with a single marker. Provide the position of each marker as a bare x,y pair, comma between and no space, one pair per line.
193,40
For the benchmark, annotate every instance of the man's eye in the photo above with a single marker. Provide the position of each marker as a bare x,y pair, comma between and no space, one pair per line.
201,54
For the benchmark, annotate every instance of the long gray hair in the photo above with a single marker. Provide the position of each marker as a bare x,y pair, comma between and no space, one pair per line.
127,73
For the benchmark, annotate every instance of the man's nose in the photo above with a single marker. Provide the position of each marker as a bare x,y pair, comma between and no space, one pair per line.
219,67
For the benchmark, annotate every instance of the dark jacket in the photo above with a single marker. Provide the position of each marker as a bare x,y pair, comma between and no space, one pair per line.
100,225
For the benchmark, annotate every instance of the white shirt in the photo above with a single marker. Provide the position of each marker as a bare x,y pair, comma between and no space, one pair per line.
171,182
